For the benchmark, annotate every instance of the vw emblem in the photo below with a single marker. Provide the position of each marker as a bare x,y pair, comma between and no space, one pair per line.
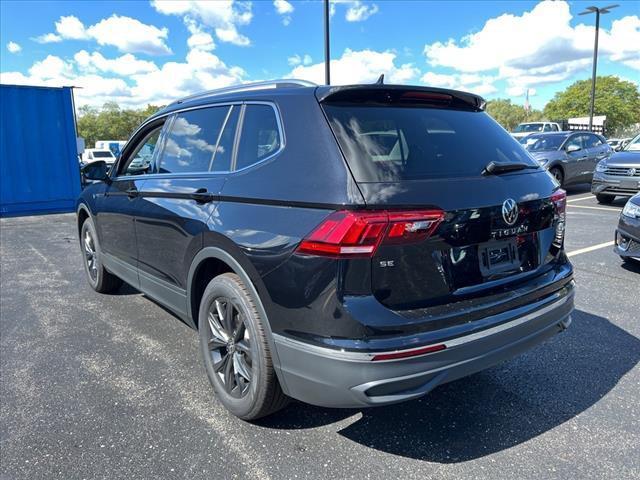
510,211
631,172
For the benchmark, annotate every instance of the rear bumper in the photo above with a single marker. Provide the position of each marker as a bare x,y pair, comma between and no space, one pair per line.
338,378
614,185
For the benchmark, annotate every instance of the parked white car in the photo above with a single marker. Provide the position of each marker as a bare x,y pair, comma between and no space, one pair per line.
526,129
93,154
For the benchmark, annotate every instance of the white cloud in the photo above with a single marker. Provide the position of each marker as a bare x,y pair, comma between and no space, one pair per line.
223,16
363,66
200,71
516,46
130,35
478,84
71,28
125,65
125,33
357,10
536,48
13,47
285,9
48,38
201,40
296,60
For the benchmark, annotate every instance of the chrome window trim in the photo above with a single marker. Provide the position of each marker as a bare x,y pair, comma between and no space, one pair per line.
276,111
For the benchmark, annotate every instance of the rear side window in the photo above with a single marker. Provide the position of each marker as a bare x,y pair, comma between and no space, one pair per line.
260,137
191,141
390,144
592,141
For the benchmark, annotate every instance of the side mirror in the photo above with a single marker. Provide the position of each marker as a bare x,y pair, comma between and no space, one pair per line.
573,148
95,171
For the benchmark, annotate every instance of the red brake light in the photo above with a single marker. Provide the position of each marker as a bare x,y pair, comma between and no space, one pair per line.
359,233
559,199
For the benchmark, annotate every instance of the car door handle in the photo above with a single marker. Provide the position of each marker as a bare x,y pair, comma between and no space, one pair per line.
133,193
201,195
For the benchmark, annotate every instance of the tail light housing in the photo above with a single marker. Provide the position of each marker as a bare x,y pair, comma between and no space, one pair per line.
559,199
348,234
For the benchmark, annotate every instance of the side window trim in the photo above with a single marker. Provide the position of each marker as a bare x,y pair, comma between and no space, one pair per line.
215,150
236,140
157,154
283,143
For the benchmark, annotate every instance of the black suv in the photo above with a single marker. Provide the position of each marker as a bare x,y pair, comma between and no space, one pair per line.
346,246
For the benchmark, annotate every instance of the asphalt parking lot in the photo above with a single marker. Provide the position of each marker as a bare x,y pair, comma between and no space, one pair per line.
96,386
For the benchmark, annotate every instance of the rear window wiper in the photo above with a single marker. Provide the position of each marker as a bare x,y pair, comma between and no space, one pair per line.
496,168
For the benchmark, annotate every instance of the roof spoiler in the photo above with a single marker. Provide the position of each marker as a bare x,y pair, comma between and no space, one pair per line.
381,94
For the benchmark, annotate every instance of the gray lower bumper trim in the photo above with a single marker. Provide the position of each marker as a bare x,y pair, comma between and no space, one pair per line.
368,356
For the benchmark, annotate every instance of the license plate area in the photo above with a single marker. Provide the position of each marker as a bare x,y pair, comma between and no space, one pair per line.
498,257
629,184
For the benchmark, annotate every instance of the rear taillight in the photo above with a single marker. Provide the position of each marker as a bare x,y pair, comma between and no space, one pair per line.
359,233
559,199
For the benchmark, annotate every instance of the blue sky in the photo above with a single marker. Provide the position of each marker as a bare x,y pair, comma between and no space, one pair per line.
152,52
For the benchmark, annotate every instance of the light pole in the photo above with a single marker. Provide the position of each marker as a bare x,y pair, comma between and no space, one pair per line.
327,54
597,11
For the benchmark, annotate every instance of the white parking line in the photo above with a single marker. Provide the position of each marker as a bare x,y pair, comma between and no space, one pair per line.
590,249
596,208
580,198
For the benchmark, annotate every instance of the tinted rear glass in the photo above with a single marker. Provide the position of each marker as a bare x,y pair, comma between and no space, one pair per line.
388,144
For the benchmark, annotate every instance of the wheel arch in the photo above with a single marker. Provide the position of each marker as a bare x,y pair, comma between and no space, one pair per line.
218,257
82,213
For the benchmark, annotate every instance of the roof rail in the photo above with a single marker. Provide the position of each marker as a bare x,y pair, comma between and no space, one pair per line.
246,87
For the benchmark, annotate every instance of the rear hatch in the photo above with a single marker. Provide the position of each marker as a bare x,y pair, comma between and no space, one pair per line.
471,210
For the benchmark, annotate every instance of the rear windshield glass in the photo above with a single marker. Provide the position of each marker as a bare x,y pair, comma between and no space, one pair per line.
102,155
389,144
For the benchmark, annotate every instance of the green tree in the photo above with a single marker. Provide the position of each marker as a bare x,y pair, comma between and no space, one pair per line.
110,122
618,99
510,115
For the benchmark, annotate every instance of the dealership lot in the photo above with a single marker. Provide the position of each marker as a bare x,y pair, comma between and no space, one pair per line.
97,386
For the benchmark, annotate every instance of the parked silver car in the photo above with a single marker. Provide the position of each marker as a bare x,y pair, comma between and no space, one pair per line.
618,174
571,157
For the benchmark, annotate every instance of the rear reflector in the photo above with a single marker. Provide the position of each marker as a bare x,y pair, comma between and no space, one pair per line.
409,353
359,233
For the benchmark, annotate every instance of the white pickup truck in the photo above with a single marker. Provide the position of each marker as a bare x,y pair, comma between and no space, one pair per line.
526,129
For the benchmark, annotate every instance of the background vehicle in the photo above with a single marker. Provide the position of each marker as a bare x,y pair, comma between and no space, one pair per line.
114,145
619,174
526,129
628,231
618,143
93,154
570,157
323,256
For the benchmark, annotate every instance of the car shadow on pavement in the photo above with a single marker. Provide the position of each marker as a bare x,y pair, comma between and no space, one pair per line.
632,266
496,409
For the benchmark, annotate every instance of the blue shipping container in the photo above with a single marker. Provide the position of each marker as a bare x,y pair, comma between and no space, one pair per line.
39,169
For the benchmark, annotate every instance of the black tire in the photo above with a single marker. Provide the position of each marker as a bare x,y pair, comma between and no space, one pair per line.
236,352
605,199
98,277
557,174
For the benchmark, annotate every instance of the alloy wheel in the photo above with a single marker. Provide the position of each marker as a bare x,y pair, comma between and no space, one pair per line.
90,255
230,346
